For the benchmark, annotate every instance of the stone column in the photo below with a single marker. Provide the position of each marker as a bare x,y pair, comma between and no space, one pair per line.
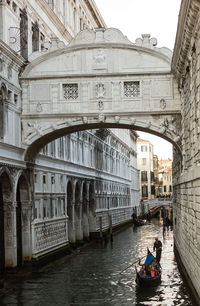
10,234
71,223
78,221
26,230
86,232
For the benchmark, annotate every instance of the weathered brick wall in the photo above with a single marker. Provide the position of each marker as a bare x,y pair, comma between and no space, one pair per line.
187,177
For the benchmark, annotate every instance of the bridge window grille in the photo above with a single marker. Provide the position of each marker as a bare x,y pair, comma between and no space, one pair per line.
70,91
131,89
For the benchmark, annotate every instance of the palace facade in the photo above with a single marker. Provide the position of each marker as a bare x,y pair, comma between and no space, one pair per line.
81,184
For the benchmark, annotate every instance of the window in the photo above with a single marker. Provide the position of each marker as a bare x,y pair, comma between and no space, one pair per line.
35,37
144,191
170,188
165,188
70,91
152,176
131,89
44,179
144,161
144,176
143,148
15,98
36,178
153,191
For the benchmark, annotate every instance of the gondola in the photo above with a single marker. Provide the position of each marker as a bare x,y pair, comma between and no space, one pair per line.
146,279
139,222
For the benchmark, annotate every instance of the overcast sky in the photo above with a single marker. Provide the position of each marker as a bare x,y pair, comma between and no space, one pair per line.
135,17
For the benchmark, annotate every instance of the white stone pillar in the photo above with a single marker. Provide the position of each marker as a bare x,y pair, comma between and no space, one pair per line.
86,232
71,223
10,234
78,221
26,232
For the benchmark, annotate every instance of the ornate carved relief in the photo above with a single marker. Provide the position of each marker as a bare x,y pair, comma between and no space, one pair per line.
163,104
99,59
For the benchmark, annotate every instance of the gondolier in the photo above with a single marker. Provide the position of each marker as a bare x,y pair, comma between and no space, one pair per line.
158,248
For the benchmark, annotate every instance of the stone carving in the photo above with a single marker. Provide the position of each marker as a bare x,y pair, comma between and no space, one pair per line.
148,124
114,35
100,94
85,120
54,126
49,234
102,117
36,127
39,108
163,104
99,59
1,64
100,91
9,72
117,119
100,35
133,120
165,123
177,138
146,42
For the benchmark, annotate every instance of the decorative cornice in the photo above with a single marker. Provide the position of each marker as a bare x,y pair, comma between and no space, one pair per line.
54,18
95,13
186,26
17,59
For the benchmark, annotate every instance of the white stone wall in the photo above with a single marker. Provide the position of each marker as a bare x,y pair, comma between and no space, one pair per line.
186,65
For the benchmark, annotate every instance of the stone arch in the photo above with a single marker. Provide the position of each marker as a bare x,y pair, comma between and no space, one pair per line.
23,219
6,219
70,212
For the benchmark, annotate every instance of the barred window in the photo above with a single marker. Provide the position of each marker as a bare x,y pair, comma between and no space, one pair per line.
131,89
70,91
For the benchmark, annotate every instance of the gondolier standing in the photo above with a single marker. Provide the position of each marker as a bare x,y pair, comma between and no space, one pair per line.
158,247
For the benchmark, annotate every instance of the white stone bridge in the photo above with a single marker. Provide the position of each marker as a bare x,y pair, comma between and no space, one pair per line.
153,205
100,79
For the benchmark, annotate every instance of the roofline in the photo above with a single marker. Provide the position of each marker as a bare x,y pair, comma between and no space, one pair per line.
95,13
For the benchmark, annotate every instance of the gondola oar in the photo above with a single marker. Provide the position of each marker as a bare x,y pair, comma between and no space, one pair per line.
133,263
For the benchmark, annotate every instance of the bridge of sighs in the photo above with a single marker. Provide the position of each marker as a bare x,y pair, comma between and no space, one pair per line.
100,79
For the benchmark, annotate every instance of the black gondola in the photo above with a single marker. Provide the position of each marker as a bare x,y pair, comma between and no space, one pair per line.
138,222
145,277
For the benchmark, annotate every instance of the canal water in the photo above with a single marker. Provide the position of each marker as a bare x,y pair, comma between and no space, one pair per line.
93,276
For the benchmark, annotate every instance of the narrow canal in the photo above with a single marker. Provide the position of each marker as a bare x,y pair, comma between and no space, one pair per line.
93,276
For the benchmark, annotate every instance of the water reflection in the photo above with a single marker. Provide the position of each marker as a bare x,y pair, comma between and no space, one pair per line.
93,277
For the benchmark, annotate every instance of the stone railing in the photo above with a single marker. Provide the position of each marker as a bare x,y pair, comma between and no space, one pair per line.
48,235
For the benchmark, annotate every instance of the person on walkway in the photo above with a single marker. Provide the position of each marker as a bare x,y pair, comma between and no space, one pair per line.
158,248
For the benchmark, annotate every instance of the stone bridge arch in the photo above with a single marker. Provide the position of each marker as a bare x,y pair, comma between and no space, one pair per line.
100,80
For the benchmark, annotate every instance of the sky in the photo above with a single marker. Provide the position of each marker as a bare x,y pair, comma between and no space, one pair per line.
135,17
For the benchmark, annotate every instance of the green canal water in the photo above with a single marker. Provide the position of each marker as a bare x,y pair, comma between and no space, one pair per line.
93,276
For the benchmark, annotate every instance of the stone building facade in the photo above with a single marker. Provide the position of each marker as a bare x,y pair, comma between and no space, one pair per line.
186,180
80,183
145,162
